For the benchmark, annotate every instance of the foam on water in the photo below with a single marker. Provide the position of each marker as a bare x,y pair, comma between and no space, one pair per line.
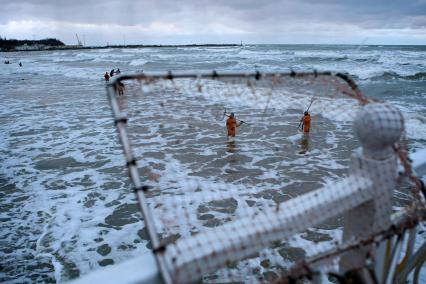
138,62
66,203
65,176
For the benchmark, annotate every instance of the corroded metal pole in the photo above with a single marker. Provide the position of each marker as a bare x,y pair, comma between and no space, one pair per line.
378,127
121,120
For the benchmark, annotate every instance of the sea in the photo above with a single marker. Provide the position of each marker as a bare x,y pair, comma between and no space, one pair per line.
66,203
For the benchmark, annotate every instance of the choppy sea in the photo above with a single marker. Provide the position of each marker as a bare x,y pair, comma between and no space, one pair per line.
66,204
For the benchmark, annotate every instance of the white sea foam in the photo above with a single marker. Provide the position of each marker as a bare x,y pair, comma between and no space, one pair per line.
103,50
138,62
139,50
416,127
59,149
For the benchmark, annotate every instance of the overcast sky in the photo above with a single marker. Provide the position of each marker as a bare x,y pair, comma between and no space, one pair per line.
99,22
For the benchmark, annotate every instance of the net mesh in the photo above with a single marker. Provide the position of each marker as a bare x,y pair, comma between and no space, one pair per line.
247,208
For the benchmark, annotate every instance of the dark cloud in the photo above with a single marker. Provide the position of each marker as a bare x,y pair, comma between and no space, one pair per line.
203,17
381,12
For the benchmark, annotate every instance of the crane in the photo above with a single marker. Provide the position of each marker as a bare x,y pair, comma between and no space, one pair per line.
78,40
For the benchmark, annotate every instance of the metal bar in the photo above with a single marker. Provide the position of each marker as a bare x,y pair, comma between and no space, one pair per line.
417,259
255,75
403,220
408,251
215,75
120,121
395,258
417,273
348,193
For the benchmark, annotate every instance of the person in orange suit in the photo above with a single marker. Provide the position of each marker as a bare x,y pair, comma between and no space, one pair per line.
231,125
306,120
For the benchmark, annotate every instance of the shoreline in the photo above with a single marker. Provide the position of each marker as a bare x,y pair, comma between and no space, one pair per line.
75,47
70,47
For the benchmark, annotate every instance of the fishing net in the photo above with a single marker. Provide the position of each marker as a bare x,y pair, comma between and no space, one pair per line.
248,208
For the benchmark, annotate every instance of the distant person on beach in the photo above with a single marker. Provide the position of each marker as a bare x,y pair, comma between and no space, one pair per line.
111,73
7,62
120,88
106,76
231,125
306,122
118,71
20,64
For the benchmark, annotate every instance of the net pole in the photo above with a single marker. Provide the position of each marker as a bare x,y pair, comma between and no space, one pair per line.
120,121
380,175
232,75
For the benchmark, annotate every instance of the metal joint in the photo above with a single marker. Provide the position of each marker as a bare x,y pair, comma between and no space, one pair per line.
120,120
143,188
422,187
131,162
159,249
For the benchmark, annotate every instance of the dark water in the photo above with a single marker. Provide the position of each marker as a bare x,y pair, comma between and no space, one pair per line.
66,206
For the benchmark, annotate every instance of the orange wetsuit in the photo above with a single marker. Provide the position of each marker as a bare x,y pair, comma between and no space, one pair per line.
306,123
231,124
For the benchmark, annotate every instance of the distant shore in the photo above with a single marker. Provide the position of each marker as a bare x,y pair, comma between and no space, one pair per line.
75,47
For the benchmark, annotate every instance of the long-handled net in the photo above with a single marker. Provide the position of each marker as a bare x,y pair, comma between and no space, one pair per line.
230,210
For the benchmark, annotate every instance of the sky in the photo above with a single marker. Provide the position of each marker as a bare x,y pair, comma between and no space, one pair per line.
101,22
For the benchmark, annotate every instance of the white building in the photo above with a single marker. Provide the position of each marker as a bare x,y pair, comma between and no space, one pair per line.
31,47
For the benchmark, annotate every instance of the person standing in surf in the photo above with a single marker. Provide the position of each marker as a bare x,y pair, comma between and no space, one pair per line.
306,122
106,76
231,125
120,88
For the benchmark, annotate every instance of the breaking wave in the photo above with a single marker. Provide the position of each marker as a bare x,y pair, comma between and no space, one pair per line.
390,75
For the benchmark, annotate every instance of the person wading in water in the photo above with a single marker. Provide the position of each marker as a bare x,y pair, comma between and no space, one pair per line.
231,125
306,122
120,88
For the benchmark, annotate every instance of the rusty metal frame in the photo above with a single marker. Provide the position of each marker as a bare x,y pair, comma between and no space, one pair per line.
120,121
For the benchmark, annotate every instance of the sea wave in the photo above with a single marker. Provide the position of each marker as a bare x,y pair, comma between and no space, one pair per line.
69,169
247,52
139,50
138,62
339,58
391,75
105,56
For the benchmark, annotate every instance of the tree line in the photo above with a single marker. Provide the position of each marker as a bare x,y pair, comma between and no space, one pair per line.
10,44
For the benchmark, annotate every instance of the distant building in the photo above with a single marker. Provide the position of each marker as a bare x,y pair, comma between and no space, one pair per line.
36,46
24,45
